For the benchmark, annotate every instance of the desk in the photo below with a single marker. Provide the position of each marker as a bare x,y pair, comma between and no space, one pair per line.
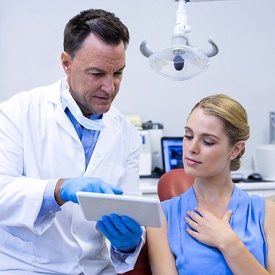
148,187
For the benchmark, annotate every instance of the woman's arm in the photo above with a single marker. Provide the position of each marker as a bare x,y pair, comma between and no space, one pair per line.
242,262
162,260
269,228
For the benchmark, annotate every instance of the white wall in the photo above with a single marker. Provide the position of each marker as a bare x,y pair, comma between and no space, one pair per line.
31,42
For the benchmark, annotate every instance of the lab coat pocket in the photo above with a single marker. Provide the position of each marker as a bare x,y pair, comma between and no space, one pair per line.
13,246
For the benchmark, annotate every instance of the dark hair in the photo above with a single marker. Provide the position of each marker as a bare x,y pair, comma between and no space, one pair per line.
234,119
105,25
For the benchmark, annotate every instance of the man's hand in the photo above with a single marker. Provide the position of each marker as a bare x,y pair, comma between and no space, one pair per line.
123,232
66,189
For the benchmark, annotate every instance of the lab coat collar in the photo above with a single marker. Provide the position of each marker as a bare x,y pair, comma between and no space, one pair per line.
53,95
54,91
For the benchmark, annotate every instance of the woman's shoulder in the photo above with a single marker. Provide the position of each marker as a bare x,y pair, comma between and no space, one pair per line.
244,196
177,202
255,202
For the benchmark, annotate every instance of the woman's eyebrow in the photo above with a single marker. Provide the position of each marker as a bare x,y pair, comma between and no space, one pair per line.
187,128
203,134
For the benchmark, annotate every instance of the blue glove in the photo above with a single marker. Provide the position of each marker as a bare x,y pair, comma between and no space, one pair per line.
69,188
123,232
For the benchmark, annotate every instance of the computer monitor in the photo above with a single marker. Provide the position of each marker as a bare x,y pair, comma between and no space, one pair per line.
171,149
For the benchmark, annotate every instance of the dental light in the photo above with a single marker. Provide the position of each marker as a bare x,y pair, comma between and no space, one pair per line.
181,61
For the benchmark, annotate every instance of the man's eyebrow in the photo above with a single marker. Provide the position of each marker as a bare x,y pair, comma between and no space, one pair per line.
102,71
122,68
94,69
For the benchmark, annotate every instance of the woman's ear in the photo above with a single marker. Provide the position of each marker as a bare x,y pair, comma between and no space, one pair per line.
66,62
238,147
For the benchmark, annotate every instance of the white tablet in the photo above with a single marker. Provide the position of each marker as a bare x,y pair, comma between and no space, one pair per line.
145,211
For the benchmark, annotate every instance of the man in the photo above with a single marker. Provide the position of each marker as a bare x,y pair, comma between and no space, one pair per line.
63,138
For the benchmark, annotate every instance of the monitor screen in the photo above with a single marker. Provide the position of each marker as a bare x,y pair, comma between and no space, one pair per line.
171,148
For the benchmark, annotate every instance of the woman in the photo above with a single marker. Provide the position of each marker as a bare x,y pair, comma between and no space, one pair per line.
214,228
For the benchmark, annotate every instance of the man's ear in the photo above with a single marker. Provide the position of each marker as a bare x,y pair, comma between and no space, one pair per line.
66,62
238,147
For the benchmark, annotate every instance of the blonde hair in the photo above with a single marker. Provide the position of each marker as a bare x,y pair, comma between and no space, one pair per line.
234,119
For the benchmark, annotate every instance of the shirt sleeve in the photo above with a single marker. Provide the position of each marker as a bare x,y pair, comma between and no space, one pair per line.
49,204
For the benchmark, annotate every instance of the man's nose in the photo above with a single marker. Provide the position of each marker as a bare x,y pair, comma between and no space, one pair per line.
109,84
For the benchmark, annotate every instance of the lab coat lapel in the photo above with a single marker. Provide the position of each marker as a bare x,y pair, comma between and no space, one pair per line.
64,122
105,142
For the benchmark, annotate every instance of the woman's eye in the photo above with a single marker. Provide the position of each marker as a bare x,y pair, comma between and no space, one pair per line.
208,143
187,137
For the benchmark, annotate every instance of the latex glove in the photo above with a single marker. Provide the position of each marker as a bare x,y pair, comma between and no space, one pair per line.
70,186
123,232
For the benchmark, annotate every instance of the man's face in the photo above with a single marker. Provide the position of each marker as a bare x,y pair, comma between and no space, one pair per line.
94,74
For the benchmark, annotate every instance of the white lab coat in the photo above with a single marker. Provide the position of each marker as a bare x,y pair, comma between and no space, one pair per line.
39,143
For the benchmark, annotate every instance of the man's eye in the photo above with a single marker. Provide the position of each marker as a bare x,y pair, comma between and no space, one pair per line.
96,74
118,73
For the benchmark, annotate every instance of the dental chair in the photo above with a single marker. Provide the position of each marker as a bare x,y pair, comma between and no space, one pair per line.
171,184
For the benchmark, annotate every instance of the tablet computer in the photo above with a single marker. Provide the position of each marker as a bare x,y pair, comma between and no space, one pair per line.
145,211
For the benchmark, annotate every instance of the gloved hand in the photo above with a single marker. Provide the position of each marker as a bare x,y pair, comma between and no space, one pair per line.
123,232
70,186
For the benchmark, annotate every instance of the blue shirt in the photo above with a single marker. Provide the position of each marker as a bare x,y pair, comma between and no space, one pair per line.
194,257
87,137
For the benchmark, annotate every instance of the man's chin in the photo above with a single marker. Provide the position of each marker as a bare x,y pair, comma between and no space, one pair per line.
102,110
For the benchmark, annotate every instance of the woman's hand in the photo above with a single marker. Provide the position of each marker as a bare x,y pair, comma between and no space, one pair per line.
208,229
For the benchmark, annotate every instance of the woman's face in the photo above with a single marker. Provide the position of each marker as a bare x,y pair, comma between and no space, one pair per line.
206,147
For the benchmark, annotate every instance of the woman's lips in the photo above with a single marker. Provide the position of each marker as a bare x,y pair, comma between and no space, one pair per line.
192,162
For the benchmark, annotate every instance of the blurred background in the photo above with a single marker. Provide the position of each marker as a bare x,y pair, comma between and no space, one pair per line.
31,35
